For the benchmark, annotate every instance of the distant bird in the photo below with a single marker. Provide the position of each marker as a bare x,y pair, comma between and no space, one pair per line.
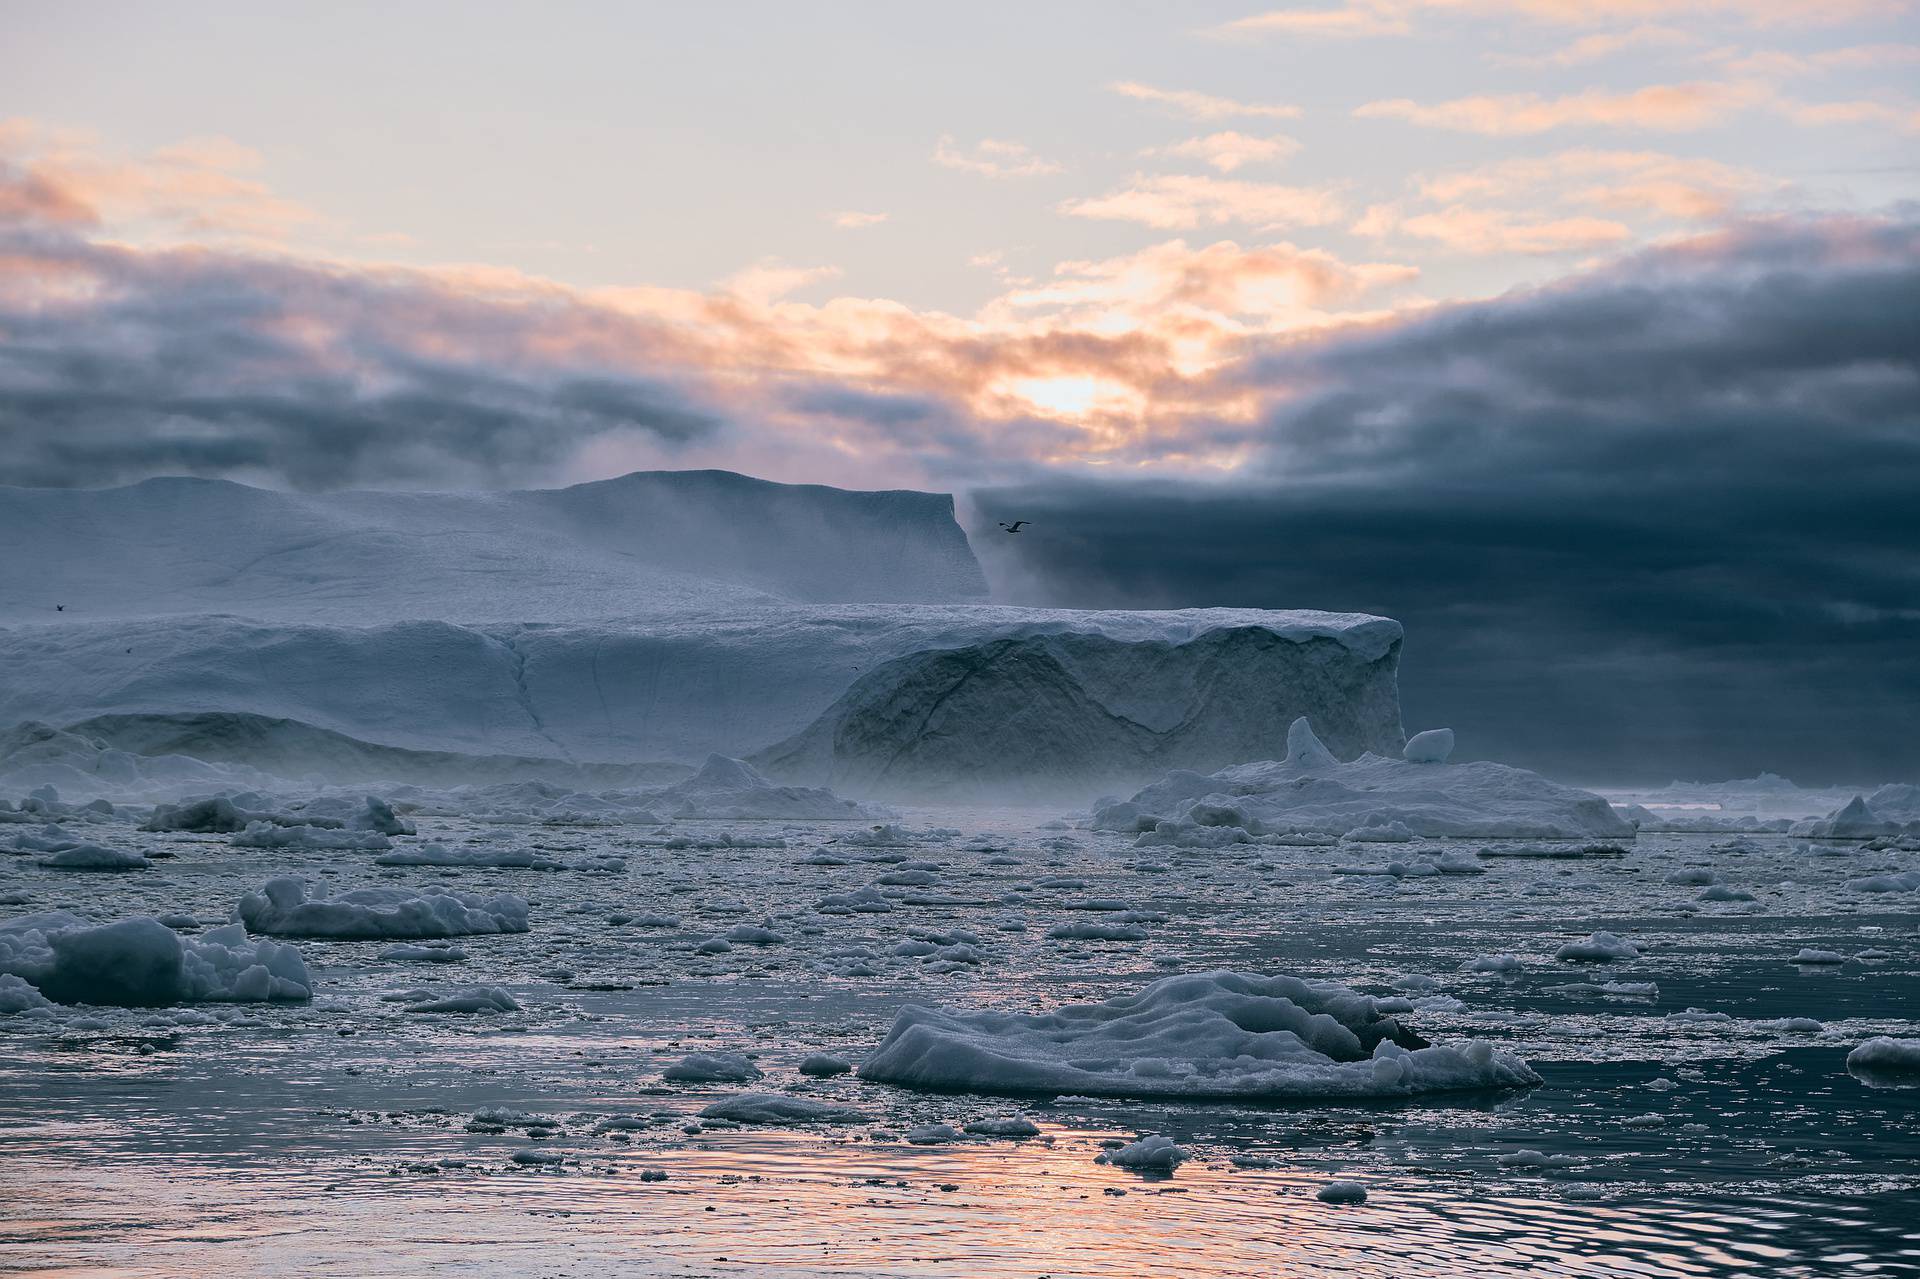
61,608
1013,527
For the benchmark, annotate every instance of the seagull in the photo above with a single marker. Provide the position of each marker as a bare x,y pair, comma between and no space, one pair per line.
61,608
1013,527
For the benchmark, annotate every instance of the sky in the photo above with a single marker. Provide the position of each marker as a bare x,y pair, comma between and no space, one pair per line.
1578,336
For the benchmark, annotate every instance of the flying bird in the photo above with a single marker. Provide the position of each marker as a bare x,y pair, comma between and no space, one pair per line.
1013,527
61,608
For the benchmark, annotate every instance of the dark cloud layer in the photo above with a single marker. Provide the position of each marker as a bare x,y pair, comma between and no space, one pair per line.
288,373
1662,521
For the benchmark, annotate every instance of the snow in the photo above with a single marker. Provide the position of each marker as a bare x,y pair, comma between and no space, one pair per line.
1219,1034
777,1108
140,962
282,908
1370,798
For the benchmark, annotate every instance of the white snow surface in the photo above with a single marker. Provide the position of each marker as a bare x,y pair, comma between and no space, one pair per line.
1206,1035
1371,799
140,962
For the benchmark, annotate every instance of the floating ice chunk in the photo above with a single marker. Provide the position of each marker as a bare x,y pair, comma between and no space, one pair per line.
1501,963
1525,1158
378,816
266,834
712,1068
94,857
753,935
1815,955
141,963
17,996
932,1135
823,1066
1597,948
216,815
1002,1126
1342,1192
474,999
1092,931
1698,875
776,1108
1884,1058
407,953
1905,882
1794,1025
282,908
1723,893
441,855
1310,791
1435,746
1217,1034
868,900
1149,1154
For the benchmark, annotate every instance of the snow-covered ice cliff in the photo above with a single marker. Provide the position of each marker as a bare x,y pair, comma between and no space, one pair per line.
832,637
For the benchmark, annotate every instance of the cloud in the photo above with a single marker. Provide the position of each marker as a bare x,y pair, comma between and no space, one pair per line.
1602,44
1662,107
1496,231
1203,106
854,220
994,158
1655,519
1375,18
1229,150
1179,202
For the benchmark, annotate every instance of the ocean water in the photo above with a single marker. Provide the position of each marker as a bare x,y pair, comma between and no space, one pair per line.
338,1137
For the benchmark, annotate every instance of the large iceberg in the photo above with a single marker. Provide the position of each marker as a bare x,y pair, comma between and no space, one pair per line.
828,638
141,963
1207,1035
1310,790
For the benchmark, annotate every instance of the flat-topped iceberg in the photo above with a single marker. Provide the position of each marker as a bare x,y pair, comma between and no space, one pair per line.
141,963
1207,1035
1312,791
282,908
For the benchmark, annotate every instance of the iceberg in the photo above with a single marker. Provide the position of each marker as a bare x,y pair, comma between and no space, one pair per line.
1369,799
282,908
1219,1035
141,963
826,638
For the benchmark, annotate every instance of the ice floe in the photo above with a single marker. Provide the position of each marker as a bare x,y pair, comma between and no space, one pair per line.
1210,1035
